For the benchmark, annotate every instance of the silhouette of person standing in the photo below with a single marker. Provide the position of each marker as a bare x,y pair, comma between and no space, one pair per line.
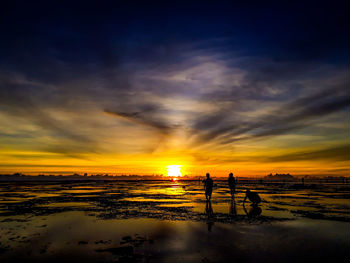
232,183
208,186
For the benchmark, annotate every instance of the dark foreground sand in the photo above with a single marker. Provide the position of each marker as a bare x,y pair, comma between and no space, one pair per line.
170,222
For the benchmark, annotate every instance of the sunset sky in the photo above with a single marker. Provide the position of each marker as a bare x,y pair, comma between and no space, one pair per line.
214,87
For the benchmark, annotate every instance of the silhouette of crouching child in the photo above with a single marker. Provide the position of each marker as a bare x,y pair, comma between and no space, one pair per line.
253,197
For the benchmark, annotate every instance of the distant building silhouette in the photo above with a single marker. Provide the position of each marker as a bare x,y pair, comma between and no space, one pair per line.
278,176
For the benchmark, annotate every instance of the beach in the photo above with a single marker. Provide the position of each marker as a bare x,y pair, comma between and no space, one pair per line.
163,221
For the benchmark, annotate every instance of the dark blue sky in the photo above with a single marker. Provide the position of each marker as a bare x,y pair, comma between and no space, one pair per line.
83,31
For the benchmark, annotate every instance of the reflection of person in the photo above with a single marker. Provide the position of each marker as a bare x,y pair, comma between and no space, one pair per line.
253,197
232,183
210,213
208,209
208,186
254,211
233,210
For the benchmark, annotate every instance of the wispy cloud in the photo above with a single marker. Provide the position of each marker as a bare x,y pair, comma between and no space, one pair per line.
335,153
142,119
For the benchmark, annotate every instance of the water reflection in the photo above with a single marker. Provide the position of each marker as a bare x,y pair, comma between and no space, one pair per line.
254,211
233,209
210,215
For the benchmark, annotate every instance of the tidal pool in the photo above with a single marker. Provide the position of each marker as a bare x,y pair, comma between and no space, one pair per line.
171,222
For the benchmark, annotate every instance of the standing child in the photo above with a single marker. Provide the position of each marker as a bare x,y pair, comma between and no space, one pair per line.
208,186
232,183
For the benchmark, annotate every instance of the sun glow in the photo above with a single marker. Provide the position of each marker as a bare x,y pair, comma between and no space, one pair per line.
174,170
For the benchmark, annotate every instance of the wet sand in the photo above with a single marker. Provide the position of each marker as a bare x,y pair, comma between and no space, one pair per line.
171,222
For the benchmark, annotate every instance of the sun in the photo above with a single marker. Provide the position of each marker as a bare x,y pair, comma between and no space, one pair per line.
174,170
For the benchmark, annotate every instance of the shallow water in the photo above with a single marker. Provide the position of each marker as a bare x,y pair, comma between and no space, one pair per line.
171,222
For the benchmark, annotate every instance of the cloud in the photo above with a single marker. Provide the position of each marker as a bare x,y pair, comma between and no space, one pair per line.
290,117
231,124
142,119
21,98
335,153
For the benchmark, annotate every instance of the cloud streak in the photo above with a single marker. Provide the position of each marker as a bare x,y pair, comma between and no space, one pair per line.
335,153
226,126
140,118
